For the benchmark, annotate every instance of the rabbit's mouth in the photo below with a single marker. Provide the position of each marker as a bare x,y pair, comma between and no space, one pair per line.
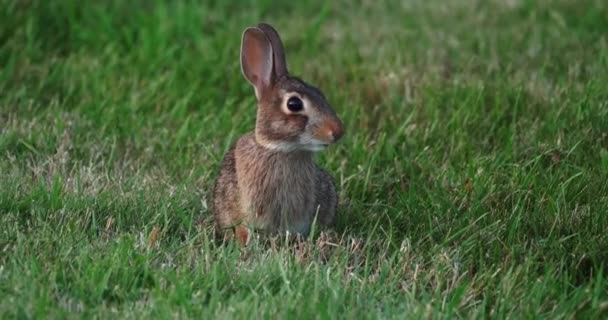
315,147
282,146
304,142
311,143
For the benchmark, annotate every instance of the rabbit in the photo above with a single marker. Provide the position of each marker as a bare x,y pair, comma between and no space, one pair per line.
268,180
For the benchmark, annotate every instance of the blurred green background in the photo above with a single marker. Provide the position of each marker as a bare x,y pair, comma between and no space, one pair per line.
473,175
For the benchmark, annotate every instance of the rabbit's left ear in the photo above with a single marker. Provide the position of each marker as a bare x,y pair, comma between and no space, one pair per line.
280,64
257,61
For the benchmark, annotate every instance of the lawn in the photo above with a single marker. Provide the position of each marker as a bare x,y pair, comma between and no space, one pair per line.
473,174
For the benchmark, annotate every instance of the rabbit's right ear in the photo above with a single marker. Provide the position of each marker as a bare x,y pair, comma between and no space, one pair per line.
257,60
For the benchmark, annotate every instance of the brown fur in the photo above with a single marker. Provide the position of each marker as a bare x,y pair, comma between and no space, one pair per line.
271,190
268,180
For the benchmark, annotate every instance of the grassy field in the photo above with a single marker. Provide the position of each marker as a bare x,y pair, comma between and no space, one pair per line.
473,175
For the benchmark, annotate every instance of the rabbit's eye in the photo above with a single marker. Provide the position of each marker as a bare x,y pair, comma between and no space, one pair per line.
295,104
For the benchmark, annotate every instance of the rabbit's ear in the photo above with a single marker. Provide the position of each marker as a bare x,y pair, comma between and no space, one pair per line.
257,60
280,64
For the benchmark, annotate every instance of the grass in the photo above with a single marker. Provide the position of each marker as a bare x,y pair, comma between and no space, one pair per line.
473,175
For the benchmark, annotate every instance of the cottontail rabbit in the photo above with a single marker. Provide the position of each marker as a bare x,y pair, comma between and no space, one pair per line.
268,180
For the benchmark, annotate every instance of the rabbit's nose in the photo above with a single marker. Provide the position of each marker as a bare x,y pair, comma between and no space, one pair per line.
336,130
329,131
